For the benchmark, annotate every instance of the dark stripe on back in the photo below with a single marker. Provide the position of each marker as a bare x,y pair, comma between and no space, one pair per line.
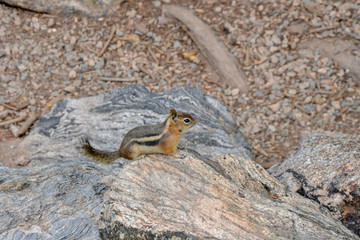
149,143
145,131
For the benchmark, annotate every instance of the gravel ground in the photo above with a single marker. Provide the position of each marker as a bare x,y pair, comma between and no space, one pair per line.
293,91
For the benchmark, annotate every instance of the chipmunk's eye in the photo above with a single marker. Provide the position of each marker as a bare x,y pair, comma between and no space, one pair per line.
186,120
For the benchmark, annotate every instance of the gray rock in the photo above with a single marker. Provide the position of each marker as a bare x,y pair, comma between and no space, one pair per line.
24,76
37,50
107,118
119,33
177,44
157,39
99,64
157,3
297,28
73,64
5,20
325,168
56,201
141,28
150,34
84,68
308,53
275,39
47,75
222,198
60,194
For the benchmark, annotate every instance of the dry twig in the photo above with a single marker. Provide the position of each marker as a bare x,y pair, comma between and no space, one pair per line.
18,119
144,70
116,79
261,61
163,75
113,29
7,106
153,55
32,118
316,30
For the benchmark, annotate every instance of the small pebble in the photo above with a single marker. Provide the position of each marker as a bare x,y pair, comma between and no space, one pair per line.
322,70
84,68
259,93
72,74
308,99
141,27
292,91
274,59
69,89
99,44
100,64
227,92
72,40
157,3
306,53
275,39
157,39
235,92
217,9
51,22
275,107
5,20
336,105
177,44
119,33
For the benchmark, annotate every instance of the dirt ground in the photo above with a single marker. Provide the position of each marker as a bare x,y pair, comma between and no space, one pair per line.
294,90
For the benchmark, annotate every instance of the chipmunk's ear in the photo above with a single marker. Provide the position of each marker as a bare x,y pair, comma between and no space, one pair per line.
173,114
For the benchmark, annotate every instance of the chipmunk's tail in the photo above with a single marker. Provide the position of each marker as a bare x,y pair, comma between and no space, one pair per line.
98,155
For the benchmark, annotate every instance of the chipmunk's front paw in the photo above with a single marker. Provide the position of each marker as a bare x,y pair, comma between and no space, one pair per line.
181,156
142,156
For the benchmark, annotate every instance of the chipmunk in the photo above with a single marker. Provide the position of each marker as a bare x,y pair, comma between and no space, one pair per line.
159,138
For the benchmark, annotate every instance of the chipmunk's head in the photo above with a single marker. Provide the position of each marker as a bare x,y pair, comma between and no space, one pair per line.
181,121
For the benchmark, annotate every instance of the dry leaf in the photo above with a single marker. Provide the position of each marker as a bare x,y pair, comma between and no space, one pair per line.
190,55
132,37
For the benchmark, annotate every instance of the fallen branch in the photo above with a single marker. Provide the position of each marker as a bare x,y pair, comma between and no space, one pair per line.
302,109
261,61
7,106
113,29
144,70
32,118
210,46
316,30
163,75
153,55
18,119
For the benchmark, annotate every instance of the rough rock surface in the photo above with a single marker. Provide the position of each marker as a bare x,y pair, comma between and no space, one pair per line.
223,198
56,201
89,8
60,195
106,118
325,168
